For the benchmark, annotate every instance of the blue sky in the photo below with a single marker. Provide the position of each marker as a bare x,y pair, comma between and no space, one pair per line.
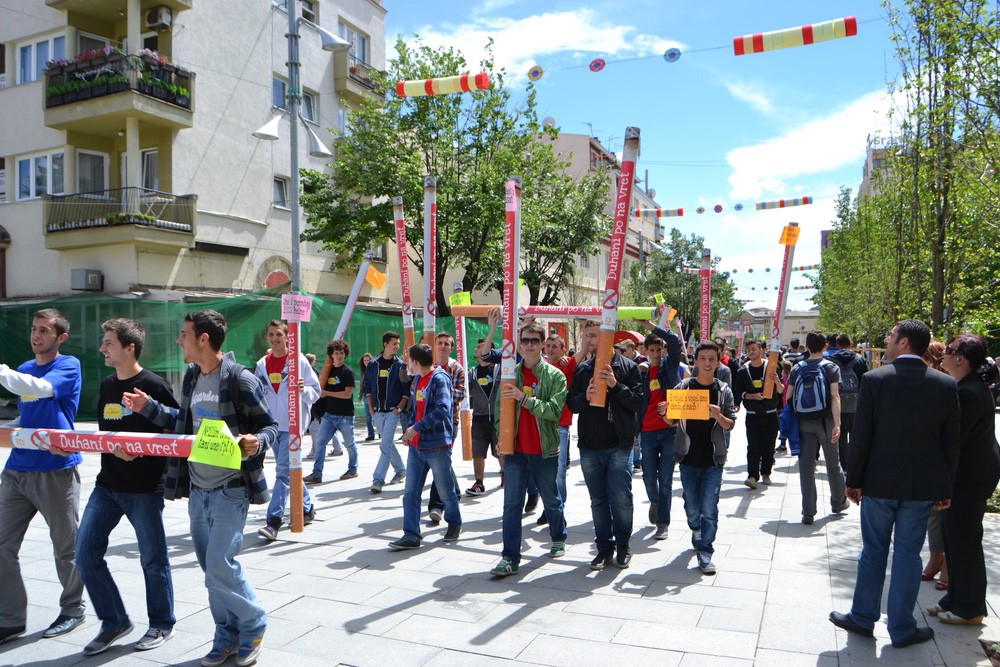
716,128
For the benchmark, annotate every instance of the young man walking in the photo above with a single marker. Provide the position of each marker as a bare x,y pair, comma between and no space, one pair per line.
484,381
338,412
443,346
129,486
540,392
385,393
762,413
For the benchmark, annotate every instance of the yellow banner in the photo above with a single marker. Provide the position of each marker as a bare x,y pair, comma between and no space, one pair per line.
375,278
687,404
215,445
789,235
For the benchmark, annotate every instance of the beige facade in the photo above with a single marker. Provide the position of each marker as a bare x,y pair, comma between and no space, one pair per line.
168,191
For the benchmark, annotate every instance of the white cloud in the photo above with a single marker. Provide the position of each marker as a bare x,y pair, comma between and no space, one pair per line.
820,145
751,95
520,43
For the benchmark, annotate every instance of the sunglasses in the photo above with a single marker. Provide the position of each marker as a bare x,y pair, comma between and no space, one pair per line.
949,350
531,341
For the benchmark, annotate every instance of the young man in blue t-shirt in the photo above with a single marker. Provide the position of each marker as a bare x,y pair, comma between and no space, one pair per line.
36,481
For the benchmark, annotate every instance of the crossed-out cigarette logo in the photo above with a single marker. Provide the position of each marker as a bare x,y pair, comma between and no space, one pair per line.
507,349
40,440
116,411
407,309
611,298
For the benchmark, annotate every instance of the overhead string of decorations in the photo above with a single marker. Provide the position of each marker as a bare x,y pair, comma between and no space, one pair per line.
719,208
759,42
696,270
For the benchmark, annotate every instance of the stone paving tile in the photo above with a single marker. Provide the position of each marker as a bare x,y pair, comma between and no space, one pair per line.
771,658
449,658
739,620
563,652
702,660
692,640
501,636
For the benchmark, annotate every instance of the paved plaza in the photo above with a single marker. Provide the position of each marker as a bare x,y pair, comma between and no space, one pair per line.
335,593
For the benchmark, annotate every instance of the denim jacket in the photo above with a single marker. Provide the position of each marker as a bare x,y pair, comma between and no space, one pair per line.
436,426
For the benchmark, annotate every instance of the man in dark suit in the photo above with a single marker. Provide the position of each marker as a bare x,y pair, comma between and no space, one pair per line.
903,458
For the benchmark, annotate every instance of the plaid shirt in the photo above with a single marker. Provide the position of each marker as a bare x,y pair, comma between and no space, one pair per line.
255,417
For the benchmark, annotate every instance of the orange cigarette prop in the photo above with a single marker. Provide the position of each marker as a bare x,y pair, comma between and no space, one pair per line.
511,270
789,236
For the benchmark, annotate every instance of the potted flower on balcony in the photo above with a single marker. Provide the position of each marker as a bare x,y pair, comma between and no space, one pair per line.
181,95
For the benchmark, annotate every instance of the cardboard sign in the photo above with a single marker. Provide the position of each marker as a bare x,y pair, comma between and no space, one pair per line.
215,445
687,404
296,307
789,235
461,299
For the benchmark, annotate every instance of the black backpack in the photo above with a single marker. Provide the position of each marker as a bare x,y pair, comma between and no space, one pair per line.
849,385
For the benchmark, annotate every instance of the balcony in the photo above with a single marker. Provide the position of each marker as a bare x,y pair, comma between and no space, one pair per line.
355,80
95,94
109,12
126,215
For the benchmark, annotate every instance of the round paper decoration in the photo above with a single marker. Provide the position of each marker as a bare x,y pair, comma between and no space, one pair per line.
700,210
738,207
718,208
597,64
672,55
535,73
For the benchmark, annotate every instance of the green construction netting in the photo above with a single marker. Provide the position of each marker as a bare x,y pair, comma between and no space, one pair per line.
246,315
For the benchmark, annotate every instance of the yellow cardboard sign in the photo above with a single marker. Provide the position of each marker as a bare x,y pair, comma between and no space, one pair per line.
215,445
687,404
461,299
789,235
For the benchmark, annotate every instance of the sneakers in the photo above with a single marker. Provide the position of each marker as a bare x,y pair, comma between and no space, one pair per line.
695,539
248,652
268,532
370,438
661,532
397,478
217,656
781,447
501,479
105,638
807,520
751,482
313,479
531,503
376,488
435,515
451,535
558,550
842,507
63,625
476,489
11,632
705,563
337,452
404,543
154,637
602,561
504,568
624,556
350,474
652,513
309,517
766,479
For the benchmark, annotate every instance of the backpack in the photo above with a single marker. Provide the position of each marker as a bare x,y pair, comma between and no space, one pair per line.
810,393
849,386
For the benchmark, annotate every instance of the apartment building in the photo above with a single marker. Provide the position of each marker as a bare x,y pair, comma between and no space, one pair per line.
126,141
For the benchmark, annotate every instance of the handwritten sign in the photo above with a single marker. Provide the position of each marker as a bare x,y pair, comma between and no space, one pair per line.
461,299
296,307
789,235
687,404
215,445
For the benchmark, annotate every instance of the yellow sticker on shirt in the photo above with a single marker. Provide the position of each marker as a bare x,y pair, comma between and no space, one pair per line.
334,381
758,384
383,373
484,381
275,378
654,384
527,391
115,411
420,394
28,399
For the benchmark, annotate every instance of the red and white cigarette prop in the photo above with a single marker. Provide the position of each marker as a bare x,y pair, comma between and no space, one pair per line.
799,36
444,85
789,236
465,411
616,263
430,260
352,299
688,270
706,294
511,273
294,435
578,312
102,442
404,271
658,212
783,203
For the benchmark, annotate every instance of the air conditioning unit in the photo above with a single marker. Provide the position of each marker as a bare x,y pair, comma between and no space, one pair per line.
88,280
158,18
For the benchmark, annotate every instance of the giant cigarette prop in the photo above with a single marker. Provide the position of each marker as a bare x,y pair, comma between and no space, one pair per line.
511,273
616,262
404,271
103,442
784,203
345,317
789,236
294,436
578,312
465,412
443,85
706,293
800,36
430,259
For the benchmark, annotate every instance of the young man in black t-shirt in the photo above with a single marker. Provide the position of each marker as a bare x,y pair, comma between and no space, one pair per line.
129,486
336,395
762,413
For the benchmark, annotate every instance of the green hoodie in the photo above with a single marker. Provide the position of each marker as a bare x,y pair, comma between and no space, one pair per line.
545,405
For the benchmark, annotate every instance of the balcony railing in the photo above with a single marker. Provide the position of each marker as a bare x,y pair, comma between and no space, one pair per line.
360,71
69,82
123,206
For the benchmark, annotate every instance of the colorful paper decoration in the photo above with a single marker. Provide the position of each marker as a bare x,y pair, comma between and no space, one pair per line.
717,208
784,203
535,73
799,36
738,207
462,83
672,55
597,64
700,210
658,212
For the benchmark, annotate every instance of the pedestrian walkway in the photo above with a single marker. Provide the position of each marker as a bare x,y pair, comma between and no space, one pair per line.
336,595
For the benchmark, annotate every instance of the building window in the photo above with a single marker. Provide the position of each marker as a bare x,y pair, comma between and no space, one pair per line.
307,109
39,175
279,192
91,171
87,42
33,56
308,10
278,97
584,261
359,42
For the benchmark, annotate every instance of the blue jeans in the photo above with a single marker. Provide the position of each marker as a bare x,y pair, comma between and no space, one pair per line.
905,523
518,469
329,425
658,469
386,423
563,462
418,463
701,502
608,474
282,486
369,421
218,519
145,512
